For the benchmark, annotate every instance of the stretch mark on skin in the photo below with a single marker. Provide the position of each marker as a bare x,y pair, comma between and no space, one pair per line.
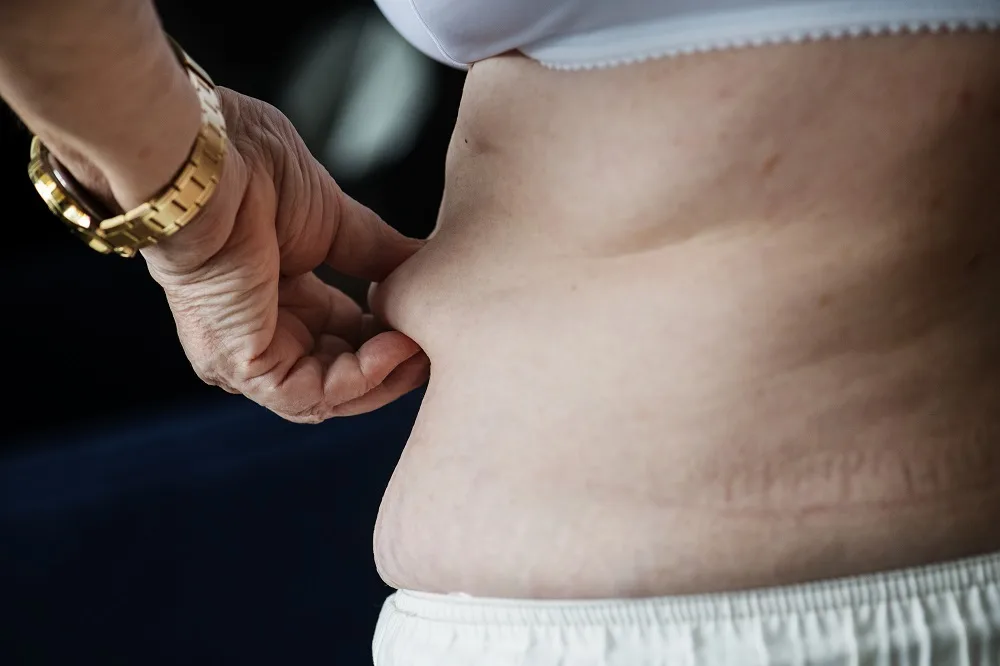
839,481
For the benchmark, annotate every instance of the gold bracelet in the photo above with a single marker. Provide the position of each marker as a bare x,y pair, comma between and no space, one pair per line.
163,215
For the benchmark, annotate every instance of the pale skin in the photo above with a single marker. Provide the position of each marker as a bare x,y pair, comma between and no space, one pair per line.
706,324
697,324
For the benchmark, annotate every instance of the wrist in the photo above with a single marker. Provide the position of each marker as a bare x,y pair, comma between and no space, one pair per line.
137,149
113,104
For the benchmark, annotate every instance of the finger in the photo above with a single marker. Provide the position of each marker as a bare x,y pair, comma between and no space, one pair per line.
322,308
292,326
409,375
308,387
363,245
329,347
351,376
285,378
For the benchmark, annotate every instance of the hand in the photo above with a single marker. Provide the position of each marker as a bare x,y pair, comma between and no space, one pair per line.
251,315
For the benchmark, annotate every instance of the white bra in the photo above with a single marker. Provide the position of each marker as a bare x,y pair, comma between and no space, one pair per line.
576,34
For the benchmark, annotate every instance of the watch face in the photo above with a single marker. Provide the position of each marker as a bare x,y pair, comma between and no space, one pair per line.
50,183
88,203
59,191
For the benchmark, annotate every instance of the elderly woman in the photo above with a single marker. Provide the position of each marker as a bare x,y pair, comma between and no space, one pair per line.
710,314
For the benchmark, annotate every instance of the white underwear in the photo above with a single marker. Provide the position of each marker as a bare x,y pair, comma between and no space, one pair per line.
939,615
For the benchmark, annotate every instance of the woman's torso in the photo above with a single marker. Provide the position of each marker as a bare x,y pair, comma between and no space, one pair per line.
707,323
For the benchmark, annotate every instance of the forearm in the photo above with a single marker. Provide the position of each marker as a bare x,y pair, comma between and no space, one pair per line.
99,83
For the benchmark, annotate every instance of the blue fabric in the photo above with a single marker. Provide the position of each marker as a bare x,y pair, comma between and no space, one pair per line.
217,534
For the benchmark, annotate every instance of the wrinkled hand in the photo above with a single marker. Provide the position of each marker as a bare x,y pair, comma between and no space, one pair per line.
251,315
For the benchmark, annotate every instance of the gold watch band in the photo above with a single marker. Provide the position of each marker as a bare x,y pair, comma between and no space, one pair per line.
163,215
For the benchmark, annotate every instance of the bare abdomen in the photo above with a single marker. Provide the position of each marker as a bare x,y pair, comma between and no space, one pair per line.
786,369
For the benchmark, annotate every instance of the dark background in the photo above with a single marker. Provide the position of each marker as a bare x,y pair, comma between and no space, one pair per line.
146,518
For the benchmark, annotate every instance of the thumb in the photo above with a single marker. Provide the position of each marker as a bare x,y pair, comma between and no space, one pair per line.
363,245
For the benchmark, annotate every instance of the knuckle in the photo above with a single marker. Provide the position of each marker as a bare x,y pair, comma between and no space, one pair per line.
308,416
246,369
205,374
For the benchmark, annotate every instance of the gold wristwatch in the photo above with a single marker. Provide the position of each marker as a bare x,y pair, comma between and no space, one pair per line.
160,217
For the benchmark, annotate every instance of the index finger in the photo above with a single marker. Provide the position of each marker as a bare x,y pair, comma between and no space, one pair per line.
363,244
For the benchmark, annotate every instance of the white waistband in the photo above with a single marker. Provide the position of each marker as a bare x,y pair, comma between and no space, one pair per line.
901,586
